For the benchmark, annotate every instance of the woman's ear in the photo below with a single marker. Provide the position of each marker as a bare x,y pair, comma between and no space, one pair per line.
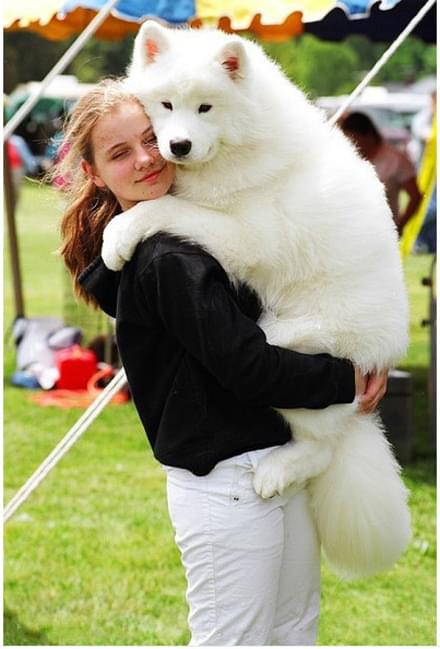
90,172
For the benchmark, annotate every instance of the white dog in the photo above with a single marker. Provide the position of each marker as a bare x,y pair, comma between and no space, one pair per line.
286,205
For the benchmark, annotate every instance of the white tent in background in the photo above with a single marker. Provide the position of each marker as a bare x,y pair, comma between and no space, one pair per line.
62,86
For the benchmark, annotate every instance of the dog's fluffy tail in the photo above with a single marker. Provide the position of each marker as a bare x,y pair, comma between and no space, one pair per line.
360,503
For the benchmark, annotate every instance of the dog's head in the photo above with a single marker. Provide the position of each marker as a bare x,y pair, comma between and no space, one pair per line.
193,85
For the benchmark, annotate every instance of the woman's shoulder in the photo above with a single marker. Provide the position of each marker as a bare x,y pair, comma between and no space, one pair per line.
186,267
166,246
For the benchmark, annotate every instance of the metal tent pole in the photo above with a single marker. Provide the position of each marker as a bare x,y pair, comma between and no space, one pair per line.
58,68
12,233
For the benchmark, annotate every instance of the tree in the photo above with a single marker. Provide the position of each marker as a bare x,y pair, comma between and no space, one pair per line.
19,66
100,59
318,67
322,68
96,60
412,61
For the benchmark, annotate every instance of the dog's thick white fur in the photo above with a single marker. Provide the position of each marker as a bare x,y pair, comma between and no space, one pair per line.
286,205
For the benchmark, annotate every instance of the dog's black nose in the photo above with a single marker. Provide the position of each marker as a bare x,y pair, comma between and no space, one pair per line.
180,148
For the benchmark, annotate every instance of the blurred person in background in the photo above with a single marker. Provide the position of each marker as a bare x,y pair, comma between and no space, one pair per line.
421,125
21,161
29,163
393,167
427,239
422,130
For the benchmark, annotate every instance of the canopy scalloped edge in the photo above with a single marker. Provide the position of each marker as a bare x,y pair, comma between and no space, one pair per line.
115,28
279,21
239,12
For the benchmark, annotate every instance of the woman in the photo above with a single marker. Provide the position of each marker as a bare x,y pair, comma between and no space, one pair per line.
204,382
393,167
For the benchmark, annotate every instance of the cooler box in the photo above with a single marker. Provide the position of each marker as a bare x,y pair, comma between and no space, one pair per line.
76,366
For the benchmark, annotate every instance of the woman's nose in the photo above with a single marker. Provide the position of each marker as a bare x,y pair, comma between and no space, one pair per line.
143,158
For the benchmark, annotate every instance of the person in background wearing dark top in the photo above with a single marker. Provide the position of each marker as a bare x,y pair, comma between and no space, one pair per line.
204,382
393,167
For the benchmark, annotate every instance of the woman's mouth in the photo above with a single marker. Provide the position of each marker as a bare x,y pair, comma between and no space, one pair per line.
151,177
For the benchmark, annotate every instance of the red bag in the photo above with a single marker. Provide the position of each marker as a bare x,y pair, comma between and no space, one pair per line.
76,366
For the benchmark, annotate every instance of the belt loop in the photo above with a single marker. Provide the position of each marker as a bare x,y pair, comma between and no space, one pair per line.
234,489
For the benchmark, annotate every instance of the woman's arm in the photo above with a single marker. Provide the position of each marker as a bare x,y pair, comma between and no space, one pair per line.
192,296
411,188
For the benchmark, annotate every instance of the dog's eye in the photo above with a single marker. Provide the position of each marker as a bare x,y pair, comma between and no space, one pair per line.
204,108
167,105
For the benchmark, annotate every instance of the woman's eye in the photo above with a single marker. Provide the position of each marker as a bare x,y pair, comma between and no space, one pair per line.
151,144
168,105
204,108
119,154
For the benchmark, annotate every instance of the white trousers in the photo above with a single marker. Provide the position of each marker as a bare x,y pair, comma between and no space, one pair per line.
252,565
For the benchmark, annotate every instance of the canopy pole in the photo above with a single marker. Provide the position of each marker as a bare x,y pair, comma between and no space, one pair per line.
383,59
12,233
62,64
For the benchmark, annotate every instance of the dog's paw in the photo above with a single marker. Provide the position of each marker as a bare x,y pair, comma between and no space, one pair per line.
117,247
111,258
272,477
265,484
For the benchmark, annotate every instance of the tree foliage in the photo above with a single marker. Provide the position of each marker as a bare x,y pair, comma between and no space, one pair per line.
97,59
102,58
323,68
318,67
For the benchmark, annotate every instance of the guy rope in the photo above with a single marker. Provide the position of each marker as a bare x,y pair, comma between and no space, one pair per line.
66,443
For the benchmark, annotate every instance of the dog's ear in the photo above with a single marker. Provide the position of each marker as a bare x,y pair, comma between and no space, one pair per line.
232,58
151,40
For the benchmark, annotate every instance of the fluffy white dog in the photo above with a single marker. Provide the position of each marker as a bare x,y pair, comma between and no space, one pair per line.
286,205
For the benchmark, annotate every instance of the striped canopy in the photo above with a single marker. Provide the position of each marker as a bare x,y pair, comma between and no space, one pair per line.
269,19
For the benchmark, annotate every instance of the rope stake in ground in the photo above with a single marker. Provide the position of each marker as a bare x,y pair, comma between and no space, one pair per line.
66,443
383,59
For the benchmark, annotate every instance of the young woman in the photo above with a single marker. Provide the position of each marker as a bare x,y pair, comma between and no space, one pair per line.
204,382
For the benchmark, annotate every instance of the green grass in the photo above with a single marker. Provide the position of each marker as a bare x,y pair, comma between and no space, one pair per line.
90,557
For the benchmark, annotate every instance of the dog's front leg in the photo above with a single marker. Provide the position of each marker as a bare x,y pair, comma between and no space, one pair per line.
127,229
303,334
293,463
168,214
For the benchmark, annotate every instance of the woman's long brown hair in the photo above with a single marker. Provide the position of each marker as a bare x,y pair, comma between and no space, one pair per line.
89,208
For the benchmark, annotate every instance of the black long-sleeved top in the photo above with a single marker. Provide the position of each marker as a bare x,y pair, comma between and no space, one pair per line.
202,376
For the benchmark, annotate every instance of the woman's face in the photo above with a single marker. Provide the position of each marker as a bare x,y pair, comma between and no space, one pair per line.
126,158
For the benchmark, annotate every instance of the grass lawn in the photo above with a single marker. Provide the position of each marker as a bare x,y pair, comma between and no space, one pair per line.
90,557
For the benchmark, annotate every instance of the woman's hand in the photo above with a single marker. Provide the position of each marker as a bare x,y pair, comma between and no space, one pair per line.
370,388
